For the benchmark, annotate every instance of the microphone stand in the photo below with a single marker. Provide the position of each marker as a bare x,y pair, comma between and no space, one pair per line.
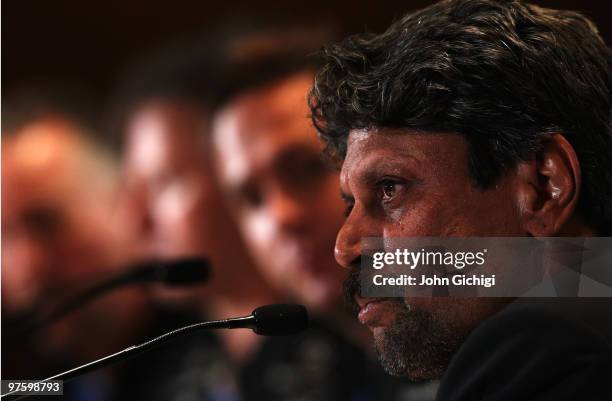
134,350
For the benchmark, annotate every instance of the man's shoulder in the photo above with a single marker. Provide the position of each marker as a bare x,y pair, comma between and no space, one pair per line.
538,349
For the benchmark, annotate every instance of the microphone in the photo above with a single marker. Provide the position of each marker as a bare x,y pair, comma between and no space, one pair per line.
278,320
269,320
173,273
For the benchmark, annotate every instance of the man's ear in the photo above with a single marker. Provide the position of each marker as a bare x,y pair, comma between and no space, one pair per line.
548,187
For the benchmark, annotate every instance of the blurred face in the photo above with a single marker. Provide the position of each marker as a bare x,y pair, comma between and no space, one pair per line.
285,199
168,182
404,184
56,227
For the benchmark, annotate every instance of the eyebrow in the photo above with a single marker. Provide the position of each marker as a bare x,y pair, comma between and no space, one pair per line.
287,155
374,172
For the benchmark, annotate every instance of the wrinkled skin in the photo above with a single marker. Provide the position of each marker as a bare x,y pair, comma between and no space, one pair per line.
402,184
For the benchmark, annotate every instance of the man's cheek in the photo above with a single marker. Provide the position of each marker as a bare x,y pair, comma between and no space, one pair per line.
258,230
259,234
434,218
414,221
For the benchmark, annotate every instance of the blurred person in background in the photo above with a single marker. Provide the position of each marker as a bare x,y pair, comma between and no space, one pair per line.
281,192
174,209
64,230
286,201
59,236
172,203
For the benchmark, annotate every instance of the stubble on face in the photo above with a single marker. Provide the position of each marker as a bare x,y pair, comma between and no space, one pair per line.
431,193
418,344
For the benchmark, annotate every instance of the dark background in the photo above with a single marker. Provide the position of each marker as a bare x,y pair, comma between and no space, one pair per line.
90,42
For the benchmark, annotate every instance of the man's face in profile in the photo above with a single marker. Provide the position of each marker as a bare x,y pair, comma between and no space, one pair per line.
406,184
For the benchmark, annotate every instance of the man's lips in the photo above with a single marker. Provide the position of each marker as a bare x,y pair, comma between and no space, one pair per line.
363,302
375,312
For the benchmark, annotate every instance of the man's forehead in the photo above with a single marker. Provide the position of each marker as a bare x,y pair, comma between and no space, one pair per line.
370,147
280,109
368,143
253,132
42,157
155,144
244,155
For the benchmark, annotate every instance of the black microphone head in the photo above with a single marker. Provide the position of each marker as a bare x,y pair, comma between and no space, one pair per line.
280,319
186,271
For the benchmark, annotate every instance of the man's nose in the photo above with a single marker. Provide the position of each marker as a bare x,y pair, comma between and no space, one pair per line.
139,203
348,241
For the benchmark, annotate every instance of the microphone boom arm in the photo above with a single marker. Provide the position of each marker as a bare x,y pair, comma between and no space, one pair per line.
269,320
134,350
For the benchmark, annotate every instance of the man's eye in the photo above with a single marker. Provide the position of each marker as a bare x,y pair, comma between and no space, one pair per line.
388,189
253,198
249,195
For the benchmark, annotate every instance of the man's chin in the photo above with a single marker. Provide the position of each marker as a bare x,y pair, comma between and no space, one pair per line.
414,369
416,345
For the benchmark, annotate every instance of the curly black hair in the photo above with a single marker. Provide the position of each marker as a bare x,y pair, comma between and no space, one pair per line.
503,74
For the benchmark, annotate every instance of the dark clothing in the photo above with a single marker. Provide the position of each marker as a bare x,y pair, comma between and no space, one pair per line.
317,364
536,349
